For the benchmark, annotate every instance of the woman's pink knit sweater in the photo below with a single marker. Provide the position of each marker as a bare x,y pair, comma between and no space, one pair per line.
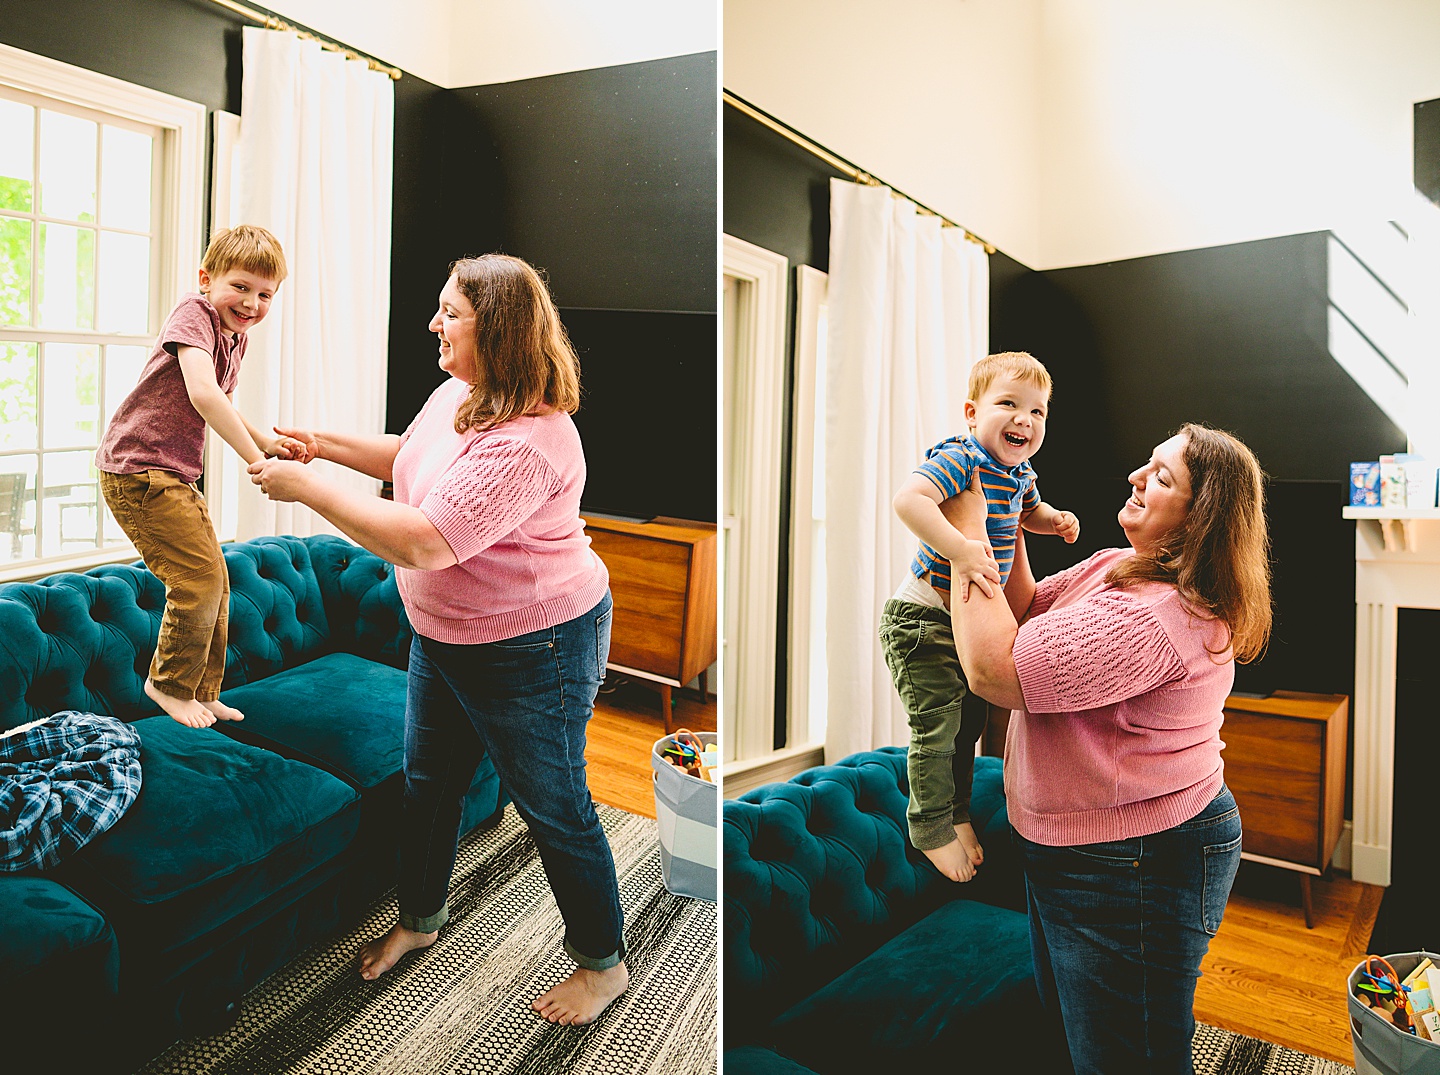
508,502
1120,734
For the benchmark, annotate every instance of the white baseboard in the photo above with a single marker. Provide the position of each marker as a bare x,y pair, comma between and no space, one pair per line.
1341,859
738,777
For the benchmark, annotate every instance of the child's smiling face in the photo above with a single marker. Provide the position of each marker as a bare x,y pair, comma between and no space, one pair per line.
1008,420
241,298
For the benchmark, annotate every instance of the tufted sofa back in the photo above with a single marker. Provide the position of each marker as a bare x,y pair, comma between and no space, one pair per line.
819,873
84,642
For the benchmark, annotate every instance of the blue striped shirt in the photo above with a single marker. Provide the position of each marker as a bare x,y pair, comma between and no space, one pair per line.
1009,491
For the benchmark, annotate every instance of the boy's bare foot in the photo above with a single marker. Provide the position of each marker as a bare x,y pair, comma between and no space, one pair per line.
953,861
379,956
187,711
580,998
965,833
223,711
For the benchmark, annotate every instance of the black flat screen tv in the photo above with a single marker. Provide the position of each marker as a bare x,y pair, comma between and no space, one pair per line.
647,414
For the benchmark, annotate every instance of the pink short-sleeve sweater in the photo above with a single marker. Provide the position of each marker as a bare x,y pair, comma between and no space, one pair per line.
1120,734
508,501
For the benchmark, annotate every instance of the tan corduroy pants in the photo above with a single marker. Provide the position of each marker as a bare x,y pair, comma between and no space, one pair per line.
166,519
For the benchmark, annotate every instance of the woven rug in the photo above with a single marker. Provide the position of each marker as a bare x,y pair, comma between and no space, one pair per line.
1220,1052
462,1007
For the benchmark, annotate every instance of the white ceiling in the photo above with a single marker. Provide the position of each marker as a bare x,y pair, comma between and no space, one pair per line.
476,42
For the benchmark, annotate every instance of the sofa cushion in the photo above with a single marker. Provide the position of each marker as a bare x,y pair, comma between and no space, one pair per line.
47,927
819,873
218,828
760,1060
944,995
361,600
341,712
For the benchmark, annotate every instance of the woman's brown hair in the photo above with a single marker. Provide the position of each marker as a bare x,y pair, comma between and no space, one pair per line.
524,361
1219,557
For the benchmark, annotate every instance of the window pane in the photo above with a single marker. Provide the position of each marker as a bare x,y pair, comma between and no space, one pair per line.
17,156
69,504
122,371
15,246
125,179
17,508
67,277
72,396
67,166
17,398
124,299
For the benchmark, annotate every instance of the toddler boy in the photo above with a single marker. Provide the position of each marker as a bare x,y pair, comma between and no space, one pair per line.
1009,399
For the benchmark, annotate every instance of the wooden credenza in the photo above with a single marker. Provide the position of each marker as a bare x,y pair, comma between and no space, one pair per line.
1285,763
663,580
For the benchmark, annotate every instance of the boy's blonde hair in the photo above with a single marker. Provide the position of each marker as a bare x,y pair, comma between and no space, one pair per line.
523,357
1020,365
248,248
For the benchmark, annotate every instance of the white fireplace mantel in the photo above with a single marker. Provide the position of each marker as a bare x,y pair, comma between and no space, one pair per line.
1397,565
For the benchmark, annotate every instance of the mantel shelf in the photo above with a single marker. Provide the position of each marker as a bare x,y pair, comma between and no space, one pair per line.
1396,532
1391,513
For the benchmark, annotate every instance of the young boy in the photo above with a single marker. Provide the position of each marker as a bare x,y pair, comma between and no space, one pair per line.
152,453
1009,400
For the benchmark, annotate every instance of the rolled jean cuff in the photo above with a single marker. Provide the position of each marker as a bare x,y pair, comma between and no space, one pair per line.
427,924
591,963
931,835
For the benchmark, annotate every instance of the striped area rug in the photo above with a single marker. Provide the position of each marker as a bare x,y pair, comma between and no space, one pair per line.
1221,1052
462,1007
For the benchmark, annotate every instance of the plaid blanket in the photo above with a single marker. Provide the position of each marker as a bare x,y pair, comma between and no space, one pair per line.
63,781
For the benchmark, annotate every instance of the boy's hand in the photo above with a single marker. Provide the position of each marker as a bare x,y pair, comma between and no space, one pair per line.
280,479
1067,526
278,447
975,566
301,445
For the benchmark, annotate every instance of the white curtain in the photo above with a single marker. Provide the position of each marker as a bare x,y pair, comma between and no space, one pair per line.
908,316
313,165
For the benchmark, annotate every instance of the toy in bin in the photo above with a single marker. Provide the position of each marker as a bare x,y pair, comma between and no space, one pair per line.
1394,1027
687,753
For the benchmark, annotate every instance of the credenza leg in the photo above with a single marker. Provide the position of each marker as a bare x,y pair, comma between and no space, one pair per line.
1305,899
665,709
704,685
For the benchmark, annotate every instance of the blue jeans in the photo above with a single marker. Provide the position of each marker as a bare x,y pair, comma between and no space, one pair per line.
526,701
1118,930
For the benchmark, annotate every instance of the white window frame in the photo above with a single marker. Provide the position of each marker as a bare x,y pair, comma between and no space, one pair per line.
756,463
178,229
811,291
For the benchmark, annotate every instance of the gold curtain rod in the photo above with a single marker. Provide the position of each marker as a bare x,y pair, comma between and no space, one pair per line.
271,22
840,164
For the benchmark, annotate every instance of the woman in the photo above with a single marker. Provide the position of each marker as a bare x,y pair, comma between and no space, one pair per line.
510,607
1118,675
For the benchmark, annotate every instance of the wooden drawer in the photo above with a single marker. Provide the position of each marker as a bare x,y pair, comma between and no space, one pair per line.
1285,762
1273,765
648,583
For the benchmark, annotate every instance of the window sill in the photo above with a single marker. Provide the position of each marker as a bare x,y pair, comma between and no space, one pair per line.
738,777
30,571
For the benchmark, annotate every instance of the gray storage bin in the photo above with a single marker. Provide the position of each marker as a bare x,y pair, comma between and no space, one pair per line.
1381,1048
688,810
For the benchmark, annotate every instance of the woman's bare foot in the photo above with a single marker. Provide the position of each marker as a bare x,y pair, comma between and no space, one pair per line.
223,711
187,711
952,860
379,956
580,998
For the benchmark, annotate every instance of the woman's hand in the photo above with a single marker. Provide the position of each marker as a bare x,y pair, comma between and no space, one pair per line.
280,479
974,566
300,445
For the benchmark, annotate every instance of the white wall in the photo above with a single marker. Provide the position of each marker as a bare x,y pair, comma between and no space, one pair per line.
1080,131
941,101
1169,126
475,42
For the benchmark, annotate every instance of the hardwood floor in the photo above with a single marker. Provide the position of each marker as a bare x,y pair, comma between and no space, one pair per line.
625,726
1268,976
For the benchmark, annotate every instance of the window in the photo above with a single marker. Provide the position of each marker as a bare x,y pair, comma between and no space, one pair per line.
99,210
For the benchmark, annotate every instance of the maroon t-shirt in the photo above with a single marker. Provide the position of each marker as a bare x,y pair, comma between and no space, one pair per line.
157,426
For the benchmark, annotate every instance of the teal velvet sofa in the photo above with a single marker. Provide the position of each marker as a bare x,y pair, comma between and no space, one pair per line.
846,951
249,841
